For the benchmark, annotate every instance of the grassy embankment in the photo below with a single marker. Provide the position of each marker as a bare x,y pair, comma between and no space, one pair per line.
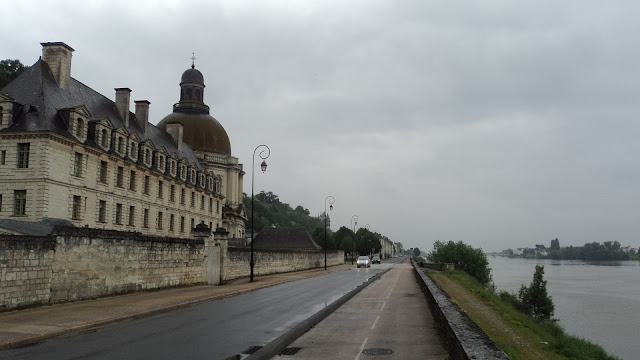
514,332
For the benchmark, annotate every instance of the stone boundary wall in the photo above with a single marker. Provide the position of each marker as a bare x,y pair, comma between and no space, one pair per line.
25,270
464,338
82,263
279,261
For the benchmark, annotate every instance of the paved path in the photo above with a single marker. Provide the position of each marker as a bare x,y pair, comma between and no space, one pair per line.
390,317
18,328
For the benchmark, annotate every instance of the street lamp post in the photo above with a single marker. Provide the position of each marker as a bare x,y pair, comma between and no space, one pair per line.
263,167
354,218
331,200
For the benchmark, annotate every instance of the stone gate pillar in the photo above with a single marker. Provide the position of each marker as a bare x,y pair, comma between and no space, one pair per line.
220,238
211,253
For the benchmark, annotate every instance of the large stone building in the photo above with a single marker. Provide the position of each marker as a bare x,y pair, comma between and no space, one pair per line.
70,154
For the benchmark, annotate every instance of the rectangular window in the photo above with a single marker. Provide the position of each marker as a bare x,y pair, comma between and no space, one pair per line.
77,164
181,223
171,222
20,202
77,207
217,206
119,175
119,214
146,185
3,157
132,181
102,211
103,172
210,204
172,193
23,155
182,196
193,224
193,199
0,203
132,215
202,202
160,189
145,218
160,220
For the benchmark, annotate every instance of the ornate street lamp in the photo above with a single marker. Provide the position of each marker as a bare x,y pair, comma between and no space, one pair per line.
353,241
263,167
331,200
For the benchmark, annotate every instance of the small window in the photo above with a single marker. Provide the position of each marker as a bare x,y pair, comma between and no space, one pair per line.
104,141
193,224
210,204
119,214
172,193
102,211
120,145
182,224
103,172
77,165
171,222
193,199
217,206
20,202
146,185
23,155
161,163
202,202
132,180
132,150
3,157
79,127
160,189
132,215
160,220
145,218
182,196
77,207
119,176
147,156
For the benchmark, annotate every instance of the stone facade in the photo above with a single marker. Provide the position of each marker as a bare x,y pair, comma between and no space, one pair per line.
74,155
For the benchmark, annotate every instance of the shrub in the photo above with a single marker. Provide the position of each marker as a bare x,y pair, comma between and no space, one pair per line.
466,258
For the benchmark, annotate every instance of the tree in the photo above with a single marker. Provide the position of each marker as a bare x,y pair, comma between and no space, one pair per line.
340,238
9,70
535,300
555,244
472,261
318,237
416,252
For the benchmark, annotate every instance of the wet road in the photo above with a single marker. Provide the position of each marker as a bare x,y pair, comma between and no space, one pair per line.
214,330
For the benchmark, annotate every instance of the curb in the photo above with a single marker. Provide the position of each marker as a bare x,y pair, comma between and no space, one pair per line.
281,342
38,338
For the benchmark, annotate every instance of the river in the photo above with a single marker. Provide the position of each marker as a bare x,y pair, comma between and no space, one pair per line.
598,301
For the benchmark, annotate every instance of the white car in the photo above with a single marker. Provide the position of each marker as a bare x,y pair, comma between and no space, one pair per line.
363,261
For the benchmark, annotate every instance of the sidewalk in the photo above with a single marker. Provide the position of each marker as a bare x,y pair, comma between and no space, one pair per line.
23,327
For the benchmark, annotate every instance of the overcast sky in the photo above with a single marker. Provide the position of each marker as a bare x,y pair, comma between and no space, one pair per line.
500,123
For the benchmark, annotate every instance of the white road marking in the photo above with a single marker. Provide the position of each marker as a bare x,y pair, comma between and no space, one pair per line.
374,322
361,348
383,304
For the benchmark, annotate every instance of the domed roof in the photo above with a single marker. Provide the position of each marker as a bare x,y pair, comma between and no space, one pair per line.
200,131
192,76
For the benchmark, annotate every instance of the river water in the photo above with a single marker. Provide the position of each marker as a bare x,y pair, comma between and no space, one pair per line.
598,301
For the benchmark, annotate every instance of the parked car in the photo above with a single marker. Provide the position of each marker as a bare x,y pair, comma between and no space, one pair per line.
363,261
375,260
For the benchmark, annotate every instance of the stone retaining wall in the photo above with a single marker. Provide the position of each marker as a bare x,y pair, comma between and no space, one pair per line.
464,338
276,261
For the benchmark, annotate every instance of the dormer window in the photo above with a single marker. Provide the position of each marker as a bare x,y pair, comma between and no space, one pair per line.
172,168
183,173
161,163
79,127
147,156
120,147
192,178
133,149
104,138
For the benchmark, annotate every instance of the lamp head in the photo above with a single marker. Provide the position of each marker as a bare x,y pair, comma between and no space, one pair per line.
330,207
263,166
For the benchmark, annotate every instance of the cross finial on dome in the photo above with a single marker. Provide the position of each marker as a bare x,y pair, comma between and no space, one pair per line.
193,60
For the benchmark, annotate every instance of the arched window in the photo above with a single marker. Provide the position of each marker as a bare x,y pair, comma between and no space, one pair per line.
147,156
104,138
120,145
161,163
133,150
189,92
79,127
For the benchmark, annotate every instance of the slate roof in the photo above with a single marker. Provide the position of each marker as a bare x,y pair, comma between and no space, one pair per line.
285,238
41,98
40,228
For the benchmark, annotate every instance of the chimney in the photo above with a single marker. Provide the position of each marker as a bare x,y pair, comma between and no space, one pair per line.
142,114
123,99
175,130
58,56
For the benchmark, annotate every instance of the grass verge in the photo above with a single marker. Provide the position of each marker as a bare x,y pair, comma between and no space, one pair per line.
514,332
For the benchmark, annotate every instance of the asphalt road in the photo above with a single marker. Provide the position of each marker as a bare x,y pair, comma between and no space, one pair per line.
214,330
